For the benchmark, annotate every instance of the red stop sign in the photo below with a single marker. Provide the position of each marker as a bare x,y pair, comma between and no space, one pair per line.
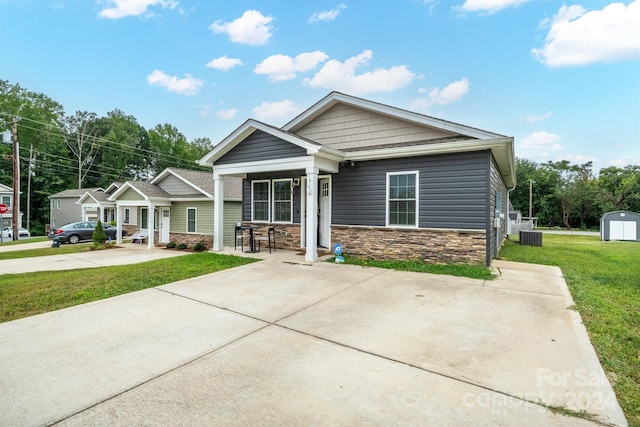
3,208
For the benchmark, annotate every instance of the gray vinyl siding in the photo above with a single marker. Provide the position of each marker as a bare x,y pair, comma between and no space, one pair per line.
173,185
246,193
452,191
496,184
261,146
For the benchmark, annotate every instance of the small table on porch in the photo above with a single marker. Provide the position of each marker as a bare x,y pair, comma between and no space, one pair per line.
252,242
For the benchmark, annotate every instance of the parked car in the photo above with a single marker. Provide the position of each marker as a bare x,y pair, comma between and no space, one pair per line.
23,233
75,232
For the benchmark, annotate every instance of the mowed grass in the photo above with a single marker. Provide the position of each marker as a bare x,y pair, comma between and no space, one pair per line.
460,270
23,295
604,280
30,253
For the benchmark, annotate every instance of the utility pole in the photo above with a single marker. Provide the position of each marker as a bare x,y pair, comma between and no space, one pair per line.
16,179
531,199
31,161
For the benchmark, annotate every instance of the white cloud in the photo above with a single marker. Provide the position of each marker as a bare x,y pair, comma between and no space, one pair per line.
251,28
578,37
227,114
189,85
341,76
488,6
116,9
283,67
329,15
532,118
453,92
541,140
275,111
224,63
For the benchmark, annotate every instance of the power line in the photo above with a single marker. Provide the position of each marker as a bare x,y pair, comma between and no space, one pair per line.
94,137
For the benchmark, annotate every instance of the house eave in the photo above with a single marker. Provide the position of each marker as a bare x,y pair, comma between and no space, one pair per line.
501,149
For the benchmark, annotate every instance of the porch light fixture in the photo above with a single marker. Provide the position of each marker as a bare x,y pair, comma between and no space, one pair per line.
349,164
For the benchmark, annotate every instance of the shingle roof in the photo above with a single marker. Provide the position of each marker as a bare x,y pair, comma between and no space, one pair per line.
204,180
148,189
76,192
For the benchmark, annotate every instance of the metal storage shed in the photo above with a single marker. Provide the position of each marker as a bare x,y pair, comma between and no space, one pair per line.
620,225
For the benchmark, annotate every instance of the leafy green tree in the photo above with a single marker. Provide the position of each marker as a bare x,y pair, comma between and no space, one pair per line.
621,187
39,127
123,149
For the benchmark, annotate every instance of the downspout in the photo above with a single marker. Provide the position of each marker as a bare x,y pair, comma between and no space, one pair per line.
508,212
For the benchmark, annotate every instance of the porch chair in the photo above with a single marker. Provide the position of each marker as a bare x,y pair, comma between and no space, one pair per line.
238,237
270,238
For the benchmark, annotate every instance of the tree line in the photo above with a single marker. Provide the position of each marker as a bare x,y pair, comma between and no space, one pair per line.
572,196
82,150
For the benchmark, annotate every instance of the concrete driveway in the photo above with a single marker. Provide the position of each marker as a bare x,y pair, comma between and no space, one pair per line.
275,343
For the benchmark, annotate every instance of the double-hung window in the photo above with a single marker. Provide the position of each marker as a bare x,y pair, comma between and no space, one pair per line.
127,215
272,200
402,199
191,220
7,201
260,191
282,203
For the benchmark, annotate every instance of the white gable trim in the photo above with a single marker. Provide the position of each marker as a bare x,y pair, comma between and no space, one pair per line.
122,189
336,97
250,126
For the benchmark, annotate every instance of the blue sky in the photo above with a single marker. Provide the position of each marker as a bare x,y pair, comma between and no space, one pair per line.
562,78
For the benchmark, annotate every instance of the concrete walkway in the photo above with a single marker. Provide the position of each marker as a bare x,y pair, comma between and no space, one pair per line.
278,343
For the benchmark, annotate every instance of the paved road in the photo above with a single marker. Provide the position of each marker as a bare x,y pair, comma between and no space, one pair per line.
275,343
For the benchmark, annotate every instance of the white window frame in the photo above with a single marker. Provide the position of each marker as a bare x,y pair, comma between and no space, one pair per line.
417,199
127,215
269,199
142,216
272,214
53,203
7,201
195,220
58,203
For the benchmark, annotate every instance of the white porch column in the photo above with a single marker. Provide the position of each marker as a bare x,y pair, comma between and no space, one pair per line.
118,225
218,212
312,215
151,216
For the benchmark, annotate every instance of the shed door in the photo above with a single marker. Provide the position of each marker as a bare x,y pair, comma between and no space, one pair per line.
622,230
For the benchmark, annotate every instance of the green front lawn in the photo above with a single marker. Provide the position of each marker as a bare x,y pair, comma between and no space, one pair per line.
23,295
604,280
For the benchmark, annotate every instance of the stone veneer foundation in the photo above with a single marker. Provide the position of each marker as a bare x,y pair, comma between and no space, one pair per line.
429,245
398,244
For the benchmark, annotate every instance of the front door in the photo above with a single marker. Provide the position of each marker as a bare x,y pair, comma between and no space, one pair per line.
164,225
324,214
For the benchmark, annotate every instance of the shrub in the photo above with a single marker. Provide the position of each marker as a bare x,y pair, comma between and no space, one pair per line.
181,246
199,247
99,236
171,245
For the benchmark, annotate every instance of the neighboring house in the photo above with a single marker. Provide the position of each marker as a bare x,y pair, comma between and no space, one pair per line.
65,209
6,197
178,205
515,220
96,204
384,182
